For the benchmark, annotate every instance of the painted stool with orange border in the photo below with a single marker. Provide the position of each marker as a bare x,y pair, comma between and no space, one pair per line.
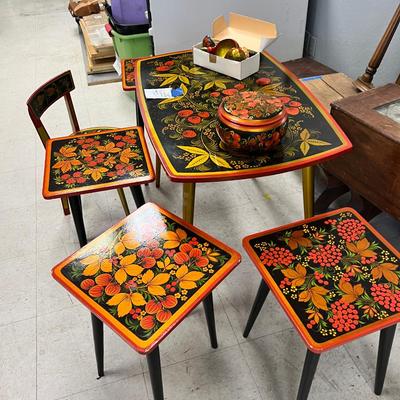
142,277
336,278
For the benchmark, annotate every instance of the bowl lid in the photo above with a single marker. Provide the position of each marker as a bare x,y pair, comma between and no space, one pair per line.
252,108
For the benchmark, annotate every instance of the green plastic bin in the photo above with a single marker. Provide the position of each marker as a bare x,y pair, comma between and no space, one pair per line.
132,46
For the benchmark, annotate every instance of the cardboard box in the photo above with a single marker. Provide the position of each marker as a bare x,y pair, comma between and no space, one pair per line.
251,33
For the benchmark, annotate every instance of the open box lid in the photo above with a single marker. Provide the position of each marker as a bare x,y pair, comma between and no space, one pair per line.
252,33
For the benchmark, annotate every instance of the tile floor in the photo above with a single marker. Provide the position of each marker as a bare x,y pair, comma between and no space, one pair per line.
46,345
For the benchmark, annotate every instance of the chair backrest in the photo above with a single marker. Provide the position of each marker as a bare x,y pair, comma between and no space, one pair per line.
48,94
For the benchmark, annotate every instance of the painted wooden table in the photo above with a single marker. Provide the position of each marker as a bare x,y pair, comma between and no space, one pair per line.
183,133
336,278
93,162
143,276
128,74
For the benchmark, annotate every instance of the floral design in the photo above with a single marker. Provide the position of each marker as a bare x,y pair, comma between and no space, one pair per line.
96,158
143,277
335,273
250,105
128,74
186,125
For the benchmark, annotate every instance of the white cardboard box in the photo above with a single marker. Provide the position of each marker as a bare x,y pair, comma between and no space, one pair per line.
249,32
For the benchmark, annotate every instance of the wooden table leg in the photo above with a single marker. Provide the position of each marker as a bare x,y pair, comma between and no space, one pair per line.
309,368
154,364
124,203
209,311
158,171
308,191
262,294
76,209
98,337
189,193
385,345
137,195
97,325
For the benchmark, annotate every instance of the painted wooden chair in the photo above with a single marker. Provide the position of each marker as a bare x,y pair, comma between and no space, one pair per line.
336,278
142,277
43,98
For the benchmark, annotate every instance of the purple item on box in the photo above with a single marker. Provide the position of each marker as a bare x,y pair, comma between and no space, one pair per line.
129,12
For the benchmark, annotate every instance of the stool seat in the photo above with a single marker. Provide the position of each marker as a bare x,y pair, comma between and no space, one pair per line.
144,275
94,161
334,275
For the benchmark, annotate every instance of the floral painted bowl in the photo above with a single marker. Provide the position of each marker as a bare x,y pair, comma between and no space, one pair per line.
251,122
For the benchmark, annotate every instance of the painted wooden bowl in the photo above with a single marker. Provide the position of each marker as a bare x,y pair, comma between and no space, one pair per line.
251,122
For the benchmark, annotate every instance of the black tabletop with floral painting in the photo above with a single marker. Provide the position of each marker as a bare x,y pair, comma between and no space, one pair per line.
96,161
335,276
144,275
183,129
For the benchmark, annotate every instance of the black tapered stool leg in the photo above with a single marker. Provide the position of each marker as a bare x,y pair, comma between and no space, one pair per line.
76,209
209,311
154,364
98,336
262,294
385,345
139,118
137,195
309,368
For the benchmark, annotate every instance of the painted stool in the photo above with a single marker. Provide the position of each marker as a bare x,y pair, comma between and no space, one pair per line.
96,161
336,278
142,277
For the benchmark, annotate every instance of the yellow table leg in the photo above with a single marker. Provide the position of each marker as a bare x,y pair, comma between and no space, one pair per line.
189,192
308,191
124,203
158,171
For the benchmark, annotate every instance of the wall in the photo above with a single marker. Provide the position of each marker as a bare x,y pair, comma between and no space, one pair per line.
347,33
178,24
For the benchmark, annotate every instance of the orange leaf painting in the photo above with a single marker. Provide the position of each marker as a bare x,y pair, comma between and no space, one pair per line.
315,294
94,264
154,282
187,280
127,267
386,270
361,248
297,275
66,165
351,293
68,151
297,239
127,241
109,147
125,301
95,173
126,155
173,239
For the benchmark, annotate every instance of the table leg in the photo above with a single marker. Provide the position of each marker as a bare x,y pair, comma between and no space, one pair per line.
158,171
154,364
97,325
139,119
98,337
137,195
309,368
189,193
209,311
385,345
308,191
262,294
124,203
76,209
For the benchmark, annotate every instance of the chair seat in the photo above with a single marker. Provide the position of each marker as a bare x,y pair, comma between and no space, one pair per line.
145,274
96,159
334,275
